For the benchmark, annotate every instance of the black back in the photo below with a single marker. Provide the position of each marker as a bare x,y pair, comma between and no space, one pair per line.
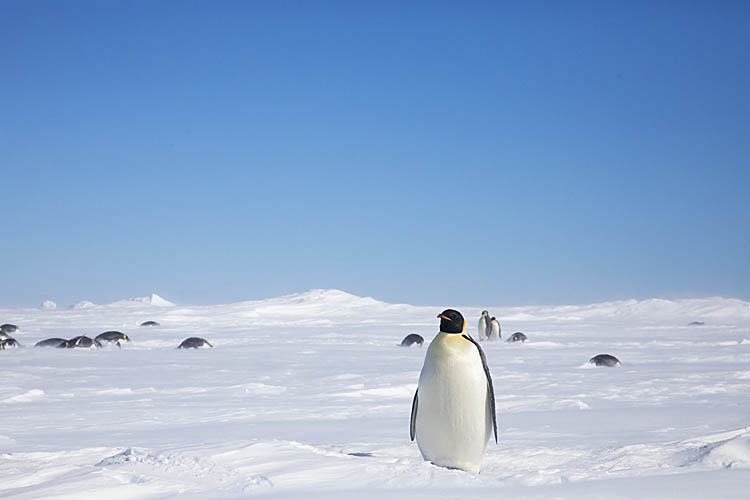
112,336
193,343
53,342
604,360
490,389
82,341
411,339
149,323
8,343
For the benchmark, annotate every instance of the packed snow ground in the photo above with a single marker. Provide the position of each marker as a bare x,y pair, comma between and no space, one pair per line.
309,395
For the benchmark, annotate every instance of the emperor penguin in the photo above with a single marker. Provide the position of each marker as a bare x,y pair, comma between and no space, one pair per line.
112,337
453,412
483,326
194,343
605,360
494,329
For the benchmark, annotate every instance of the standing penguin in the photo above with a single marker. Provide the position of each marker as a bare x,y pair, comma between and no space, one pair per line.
484,325
453,412
494,329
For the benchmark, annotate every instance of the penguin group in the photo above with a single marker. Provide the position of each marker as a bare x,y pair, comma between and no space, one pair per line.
84,342
488,327
110,337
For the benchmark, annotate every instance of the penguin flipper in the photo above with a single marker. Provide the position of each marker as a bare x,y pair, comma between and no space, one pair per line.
490,389
413,424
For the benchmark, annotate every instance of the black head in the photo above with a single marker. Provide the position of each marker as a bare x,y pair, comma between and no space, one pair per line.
451,321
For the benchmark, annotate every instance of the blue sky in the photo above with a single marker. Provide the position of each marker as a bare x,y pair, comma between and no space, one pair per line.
444,153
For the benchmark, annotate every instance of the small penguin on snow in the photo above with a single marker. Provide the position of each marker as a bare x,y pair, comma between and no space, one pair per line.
412,339
81,342
112,337
494,329
518,337
194,343
453,411
8,328
8,343
605,360
53,342
484,326
150,323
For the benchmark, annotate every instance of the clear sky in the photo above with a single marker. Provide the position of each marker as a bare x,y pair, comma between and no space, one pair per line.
443,153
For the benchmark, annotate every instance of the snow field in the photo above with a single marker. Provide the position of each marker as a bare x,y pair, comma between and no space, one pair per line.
308,396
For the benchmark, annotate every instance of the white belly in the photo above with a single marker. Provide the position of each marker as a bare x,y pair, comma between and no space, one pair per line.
453,421
494,331
482,328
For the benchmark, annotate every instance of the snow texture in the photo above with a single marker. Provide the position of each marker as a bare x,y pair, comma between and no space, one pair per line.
309,395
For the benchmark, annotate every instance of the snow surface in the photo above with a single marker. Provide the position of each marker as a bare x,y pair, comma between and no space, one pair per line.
308,396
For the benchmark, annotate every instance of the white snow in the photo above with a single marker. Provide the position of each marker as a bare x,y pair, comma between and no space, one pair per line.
153,299
48,304
309,396
84,304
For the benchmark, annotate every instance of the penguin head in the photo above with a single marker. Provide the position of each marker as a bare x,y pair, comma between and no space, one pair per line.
485,313
451,321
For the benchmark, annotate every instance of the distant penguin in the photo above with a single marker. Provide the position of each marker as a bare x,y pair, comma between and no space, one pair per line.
53,342
9,343
82,342
149,323
112,337
494,329
194,343
517,337
8,328
483,328
412,339
605,360
453,411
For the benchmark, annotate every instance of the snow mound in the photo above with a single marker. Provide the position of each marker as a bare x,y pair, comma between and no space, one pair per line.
727,453
26,397
84,304
48,304
152,300
734,452
323,296
679,311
